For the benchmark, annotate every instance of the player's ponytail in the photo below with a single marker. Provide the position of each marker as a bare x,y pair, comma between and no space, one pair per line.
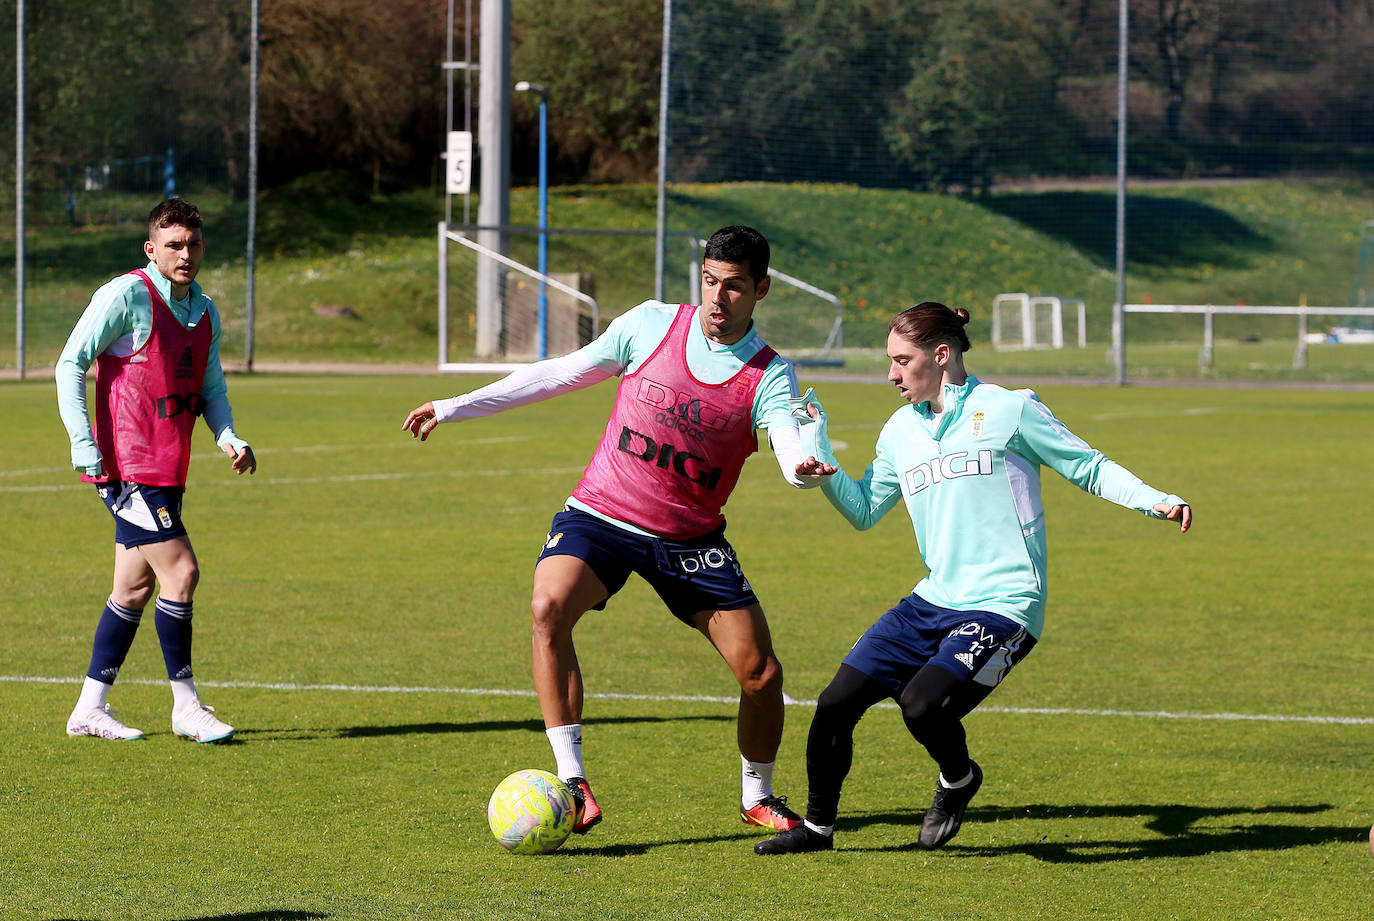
929,323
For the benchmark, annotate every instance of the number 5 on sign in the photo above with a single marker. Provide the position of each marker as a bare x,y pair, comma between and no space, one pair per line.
459,162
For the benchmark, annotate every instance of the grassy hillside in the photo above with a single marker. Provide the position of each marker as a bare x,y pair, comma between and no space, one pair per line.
324,245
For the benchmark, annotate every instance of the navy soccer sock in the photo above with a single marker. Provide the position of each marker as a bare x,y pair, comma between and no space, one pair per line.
173,620
114,634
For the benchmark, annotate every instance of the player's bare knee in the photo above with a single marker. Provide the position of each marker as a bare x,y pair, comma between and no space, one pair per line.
763,679
134,593
135,598
180,583
548,618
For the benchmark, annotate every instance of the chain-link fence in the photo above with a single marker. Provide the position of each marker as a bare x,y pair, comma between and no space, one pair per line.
893,150
1012,107
125,104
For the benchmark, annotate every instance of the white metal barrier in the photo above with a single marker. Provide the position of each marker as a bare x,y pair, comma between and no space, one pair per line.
1208,311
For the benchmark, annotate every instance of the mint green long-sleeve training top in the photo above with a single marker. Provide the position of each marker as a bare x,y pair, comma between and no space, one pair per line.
970,477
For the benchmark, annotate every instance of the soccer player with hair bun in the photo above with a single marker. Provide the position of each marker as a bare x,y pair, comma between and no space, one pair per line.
965,457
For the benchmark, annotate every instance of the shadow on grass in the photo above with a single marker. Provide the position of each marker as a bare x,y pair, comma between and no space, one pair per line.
439,728
269,915
1163,232
574,849
1175,826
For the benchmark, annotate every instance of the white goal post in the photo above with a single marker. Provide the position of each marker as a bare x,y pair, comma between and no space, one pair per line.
586,304
804,323
1034,321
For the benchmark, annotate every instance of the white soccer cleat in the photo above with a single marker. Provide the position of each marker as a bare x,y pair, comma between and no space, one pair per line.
199,724
100,723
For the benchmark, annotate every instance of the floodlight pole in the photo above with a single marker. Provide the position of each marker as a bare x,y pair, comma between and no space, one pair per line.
493,139
448,106
1118,309
251,254
19,189
524,86
661,218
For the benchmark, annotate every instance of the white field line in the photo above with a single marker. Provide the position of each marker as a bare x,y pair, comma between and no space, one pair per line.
699,698
210,456
1156,413
336,478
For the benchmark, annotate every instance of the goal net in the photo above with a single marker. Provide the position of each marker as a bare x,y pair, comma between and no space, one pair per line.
1026,321
803,323
496,310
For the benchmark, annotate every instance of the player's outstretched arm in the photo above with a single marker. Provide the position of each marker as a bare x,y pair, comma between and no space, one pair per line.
1183,514
421,421
529,384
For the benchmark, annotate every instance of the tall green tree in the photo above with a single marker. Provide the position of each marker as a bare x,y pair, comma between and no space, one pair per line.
869,41
600,64
790,90
351,84
983,96
92,82
724,56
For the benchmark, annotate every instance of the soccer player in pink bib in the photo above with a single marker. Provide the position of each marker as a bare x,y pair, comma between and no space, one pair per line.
696,382
153,337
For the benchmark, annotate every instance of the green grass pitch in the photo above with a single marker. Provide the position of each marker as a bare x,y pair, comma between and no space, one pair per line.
1192,739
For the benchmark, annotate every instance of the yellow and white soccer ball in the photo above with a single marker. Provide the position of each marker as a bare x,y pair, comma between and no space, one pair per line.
531,812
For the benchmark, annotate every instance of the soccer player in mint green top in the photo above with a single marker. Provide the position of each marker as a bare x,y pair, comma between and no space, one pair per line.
965,457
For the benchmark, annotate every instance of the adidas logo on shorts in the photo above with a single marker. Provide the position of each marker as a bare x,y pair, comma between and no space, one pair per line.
966,659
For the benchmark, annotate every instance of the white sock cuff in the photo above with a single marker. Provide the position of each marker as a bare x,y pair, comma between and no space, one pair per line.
124,613
968,779
566,742
94,694
756,781
184,692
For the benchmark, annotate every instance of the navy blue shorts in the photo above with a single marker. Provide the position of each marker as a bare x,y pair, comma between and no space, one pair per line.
700,574
971,645
143,514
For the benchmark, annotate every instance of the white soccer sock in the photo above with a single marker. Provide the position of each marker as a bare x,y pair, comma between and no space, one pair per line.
827,830
94,694
958,783
757,781
183,693
566,742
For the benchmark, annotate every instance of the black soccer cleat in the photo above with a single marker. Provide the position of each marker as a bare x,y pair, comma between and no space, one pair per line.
946,812
797,840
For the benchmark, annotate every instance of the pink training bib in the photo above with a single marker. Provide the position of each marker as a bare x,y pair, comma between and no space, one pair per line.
147,403
674,446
